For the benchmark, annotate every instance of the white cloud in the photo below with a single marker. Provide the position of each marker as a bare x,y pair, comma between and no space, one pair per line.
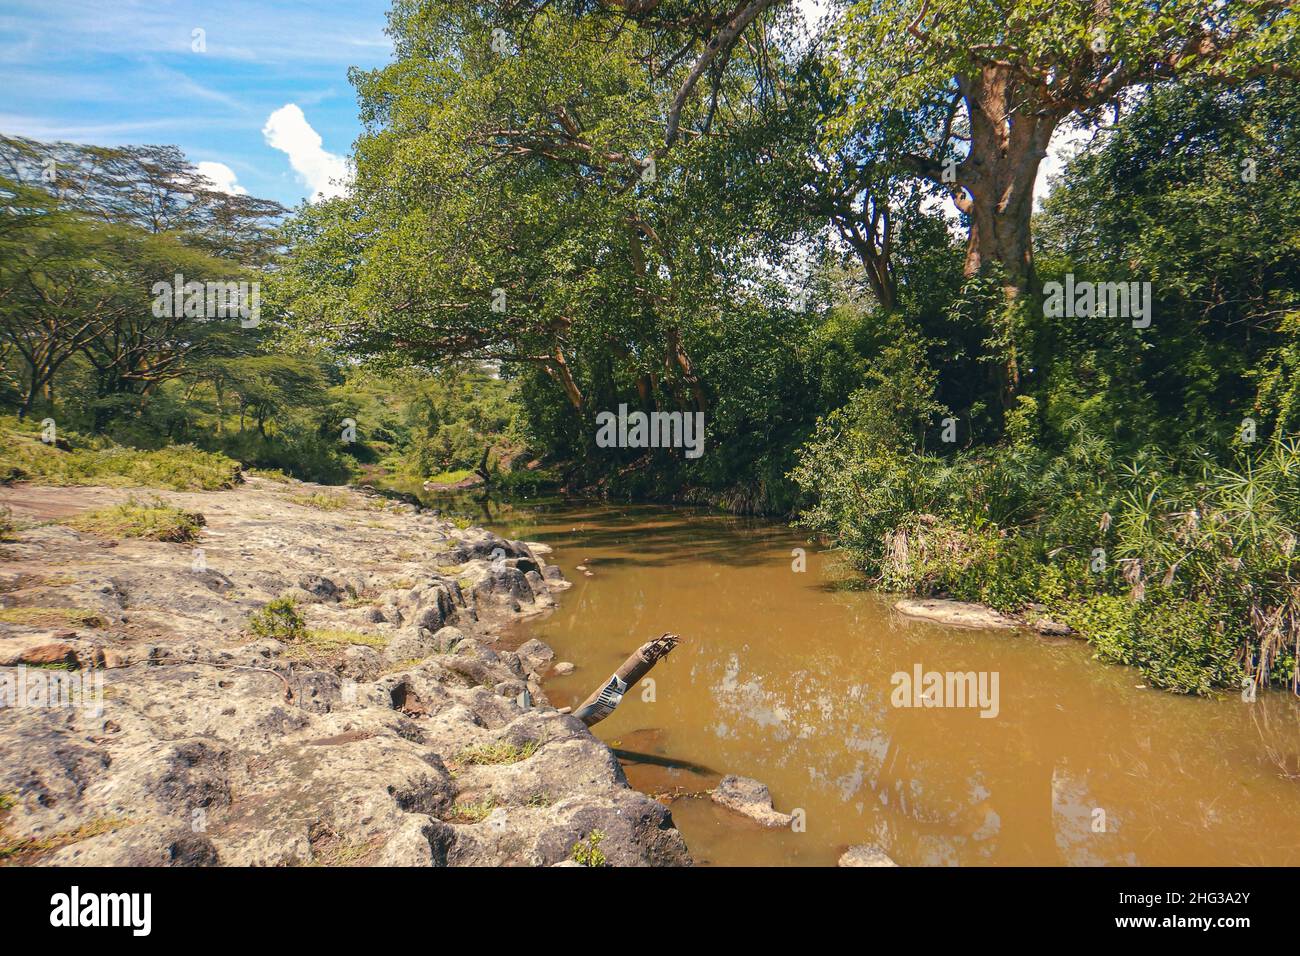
221,176
324,173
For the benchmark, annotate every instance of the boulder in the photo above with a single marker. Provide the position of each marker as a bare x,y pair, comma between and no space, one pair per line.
751,798
321,587
36,650
865,855
955,613
1049,628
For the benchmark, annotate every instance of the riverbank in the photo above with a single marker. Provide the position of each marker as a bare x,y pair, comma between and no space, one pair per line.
368,718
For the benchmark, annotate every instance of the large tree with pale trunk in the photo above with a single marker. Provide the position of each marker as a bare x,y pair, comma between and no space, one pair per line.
990,81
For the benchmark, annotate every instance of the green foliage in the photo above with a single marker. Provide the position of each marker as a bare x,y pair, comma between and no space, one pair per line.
154,520
24,457
278,620
588,851
1179,644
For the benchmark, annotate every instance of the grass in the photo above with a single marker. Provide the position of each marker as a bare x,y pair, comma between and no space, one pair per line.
335,640
271,474
322,501
494,754
8,527
15,851
24,457
155,521
449,477
50,617
474,812
588,851
402,665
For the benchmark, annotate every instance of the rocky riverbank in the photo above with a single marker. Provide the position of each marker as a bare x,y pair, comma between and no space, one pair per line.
394,728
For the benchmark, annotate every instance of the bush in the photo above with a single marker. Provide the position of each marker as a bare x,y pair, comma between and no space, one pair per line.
25,457
278,620
155,520
1180,645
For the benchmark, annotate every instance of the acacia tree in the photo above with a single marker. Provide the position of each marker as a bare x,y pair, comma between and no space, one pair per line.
86,232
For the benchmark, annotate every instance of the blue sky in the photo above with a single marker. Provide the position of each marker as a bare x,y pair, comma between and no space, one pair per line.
272,80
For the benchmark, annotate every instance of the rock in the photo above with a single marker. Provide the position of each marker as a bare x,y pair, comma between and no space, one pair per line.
563,668
321,587
541,593
215,749
301,596
751,798
431,618
504,585
554,578
1049,628
35,650
361,663
865,855
955,613
446,639
535,655
413,643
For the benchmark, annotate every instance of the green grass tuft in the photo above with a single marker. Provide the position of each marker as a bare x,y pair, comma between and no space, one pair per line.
155,520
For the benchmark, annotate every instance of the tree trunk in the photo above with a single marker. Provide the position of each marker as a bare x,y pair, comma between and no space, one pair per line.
1010,131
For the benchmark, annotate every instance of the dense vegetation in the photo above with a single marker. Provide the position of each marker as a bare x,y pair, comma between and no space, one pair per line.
824,242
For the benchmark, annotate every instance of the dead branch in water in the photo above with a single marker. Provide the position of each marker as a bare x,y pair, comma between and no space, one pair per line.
603,701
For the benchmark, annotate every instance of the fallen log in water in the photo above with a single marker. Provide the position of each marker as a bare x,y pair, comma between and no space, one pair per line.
603,701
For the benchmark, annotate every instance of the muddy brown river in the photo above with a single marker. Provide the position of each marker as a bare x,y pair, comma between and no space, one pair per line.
786,676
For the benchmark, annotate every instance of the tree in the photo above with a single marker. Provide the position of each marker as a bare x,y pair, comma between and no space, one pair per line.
984,85
513,203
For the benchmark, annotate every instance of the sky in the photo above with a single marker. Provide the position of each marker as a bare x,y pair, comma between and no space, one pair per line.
255,93
259,99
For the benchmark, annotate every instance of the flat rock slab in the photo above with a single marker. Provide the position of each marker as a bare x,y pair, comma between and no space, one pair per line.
379,737
955,613
865,855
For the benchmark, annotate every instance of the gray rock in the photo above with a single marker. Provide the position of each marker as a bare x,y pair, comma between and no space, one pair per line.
864,855
323,588
1050,628
747,796
955,613
215,750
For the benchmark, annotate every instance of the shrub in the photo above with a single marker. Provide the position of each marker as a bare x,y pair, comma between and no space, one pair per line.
155,521
178,467
278,620
1180,645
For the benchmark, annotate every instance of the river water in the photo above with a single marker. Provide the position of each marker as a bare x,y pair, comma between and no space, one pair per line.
786,676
